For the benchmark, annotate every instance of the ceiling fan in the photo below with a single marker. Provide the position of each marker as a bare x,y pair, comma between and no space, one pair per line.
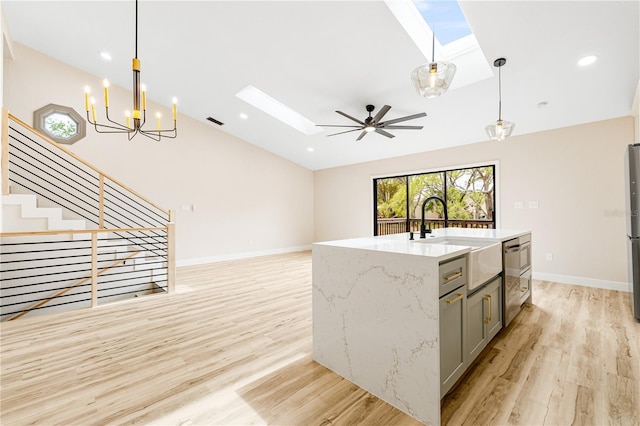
373,124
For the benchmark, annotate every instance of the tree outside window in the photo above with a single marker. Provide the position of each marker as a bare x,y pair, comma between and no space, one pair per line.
469,194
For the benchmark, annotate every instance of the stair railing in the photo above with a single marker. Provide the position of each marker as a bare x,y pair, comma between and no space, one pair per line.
34,162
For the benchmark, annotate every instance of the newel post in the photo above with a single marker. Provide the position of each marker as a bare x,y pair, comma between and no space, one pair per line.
171,253
4,156
94,269
101,202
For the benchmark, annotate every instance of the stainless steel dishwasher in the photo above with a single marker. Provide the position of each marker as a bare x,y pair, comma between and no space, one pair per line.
517,275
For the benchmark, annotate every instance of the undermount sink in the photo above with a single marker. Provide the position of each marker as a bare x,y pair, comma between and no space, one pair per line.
483,262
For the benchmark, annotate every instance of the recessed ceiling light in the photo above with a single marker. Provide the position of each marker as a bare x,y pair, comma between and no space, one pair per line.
587,60
310,149
105,55
243,116
543,104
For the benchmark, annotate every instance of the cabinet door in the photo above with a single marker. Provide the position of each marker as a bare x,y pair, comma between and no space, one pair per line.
453,308
476,329
493,297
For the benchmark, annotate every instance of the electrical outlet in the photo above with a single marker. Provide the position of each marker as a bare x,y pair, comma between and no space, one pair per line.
533,204
549,257
518,205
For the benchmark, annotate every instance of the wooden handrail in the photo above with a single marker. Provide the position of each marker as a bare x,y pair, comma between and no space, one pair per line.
80,282
86,163
76,231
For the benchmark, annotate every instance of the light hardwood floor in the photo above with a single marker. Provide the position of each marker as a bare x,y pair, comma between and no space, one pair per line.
233,346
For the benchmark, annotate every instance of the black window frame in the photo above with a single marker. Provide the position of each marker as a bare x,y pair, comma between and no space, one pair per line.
406,177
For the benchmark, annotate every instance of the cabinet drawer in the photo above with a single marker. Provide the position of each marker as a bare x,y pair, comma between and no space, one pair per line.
453,274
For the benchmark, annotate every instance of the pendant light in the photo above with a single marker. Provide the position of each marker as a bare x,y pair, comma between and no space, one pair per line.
433,79
133,121
501,129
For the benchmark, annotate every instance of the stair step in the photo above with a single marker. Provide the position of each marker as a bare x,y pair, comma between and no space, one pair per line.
29,211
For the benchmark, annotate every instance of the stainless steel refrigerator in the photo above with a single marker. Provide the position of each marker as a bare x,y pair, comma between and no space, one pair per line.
632,173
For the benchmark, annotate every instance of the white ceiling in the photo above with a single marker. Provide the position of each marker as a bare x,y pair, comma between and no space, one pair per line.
322,56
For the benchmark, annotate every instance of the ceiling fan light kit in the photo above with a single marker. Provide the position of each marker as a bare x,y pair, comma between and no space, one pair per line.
373,124
501,129
433,79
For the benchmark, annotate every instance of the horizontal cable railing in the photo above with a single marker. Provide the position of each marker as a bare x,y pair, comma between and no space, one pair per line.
77,267
398,225
54,270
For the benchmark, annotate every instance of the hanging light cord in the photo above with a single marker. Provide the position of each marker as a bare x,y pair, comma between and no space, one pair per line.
433,47
136,28
499,93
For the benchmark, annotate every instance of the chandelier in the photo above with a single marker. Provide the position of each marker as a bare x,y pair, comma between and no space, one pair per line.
134,121
433,79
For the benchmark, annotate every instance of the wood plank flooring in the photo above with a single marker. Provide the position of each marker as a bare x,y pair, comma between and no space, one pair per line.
233,347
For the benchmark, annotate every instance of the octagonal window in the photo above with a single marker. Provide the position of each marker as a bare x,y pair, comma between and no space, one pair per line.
60,123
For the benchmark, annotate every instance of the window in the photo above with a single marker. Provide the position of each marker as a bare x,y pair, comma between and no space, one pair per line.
62,124
469,194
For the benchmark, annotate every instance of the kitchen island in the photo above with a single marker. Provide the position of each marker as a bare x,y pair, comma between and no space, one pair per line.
377,304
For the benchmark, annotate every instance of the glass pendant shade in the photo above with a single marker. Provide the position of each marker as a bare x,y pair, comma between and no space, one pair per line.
433,79
500,130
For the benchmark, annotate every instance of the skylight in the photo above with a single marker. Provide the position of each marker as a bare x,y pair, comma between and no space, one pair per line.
445,18
455,41
277,109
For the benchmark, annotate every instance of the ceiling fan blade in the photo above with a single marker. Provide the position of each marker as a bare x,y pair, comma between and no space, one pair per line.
404,127
348,131
397,120
385,109
350,117
337,125
382,132
364,132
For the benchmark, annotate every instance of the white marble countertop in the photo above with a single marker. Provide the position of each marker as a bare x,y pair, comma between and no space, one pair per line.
400,243
496,235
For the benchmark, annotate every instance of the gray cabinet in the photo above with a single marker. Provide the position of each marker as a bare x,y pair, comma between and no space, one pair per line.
484,317
453,310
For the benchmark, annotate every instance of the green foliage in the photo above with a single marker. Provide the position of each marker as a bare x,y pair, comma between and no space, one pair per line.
469,194
61,128
392,197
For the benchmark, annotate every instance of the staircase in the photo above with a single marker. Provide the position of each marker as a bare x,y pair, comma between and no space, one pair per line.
73,240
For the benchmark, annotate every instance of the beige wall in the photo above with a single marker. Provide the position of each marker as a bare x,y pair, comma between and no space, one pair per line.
575,174
246,200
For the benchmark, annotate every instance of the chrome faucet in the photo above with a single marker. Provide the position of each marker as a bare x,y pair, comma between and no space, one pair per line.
423,230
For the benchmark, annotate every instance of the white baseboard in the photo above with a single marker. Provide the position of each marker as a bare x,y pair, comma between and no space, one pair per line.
237,256
585,282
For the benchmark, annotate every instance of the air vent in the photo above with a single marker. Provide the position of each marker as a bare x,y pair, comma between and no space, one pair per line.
213,120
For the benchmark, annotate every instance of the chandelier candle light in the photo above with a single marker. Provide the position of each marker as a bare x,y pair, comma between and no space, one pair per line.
501,129
433,79
139,114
